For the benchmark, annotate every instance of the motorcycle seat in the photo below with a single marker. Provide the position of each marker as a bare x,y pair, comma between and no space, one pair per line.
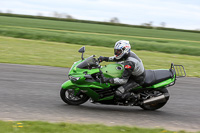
156,76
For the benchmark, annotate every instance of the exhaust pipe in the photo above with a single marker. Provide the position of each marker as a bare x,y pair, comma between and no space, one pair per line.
159,99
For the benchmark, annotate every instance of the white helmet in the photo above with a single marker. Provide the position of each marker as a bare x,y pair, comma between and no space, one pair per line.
122,47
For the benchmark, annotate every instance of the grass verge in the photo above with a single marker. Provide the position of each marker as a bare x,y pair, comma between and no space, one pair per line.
101,35
32,52
101,39
45,127
97,28
93,22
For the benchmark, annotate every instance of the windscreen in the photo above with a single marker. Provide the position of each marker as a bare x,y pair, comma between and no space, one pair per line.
88,63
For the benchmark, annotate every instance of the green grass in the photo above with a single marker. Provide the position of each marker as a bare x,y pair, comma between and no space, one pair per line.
32,52
106,40
101,35
45,127
95,22
98,28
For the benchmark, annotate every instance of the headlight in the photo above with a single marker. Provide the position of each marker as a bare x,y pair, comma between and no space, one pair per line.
74,78
77,78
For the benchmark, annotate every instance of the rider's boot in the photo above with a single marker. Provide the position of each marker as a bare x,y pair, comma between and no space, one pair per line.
123,92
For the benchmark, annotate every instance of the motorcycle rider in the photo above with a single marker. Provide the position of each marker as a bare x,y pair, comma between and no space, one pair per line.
134,72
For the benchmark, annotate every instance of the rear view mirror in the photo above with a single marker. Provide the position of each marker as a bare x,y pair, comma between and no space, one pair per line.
82,50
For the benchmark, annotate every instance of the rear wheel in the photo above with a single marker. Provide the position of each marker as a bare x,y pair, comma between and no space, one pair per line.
156,106
67,95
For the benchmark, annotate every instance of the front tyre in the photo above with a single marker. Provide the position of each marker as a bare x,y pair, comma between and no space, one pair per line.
156,106
67,95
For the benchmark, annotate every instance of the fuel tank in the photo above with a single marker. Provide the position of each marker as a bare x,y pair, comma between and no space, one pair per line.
113,70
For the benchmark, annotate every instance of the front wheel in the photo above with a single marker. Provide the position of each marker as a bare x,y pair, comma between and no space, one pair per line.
67,95
156,106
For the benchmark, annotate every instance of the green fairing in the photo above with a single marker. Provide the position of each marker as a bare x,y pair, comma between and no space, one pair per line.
68,85
110,71
163,84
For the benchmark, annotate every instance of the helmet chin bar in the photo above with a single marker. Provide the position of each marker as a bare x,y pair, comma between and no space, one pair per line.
118,57
117,52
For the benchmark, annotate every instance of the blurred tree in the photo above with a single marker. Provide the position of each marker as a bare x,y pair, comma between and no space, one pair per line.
56,14
114,20
69,16
8,11
163,24
62,15
150,24
39,14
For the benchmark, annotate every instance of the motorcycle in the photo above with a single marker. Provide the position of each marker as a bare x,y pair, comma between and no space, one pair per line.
86,81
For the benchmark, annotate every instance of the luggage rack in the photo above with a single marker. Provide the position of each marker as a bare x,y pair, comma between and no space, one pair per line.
179,70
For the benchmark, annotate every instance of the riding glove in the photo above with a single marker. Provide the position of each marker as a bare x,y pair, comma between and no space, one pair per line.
101,59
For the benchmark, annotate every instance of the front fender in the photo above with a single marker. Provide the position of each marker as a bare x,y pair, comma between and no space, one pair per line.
68,85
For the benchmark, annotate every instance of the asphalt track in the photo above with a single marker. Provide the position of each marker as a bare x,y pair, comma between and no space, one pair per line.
32,93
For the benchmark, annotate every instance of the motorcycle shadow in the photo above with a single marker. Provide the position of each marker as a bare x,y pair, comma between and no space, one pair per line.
99,108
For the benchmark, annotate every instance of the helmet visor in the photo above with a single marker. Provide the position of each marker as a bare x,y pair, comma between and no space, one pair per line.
117,52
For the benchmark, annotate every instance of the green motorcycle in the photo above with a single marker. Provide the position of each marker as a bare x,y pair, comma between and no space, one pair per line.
86,82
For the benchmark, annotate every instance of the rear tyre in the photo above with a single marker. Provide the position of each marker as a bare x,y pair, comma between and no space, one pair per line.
67,95
156,105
